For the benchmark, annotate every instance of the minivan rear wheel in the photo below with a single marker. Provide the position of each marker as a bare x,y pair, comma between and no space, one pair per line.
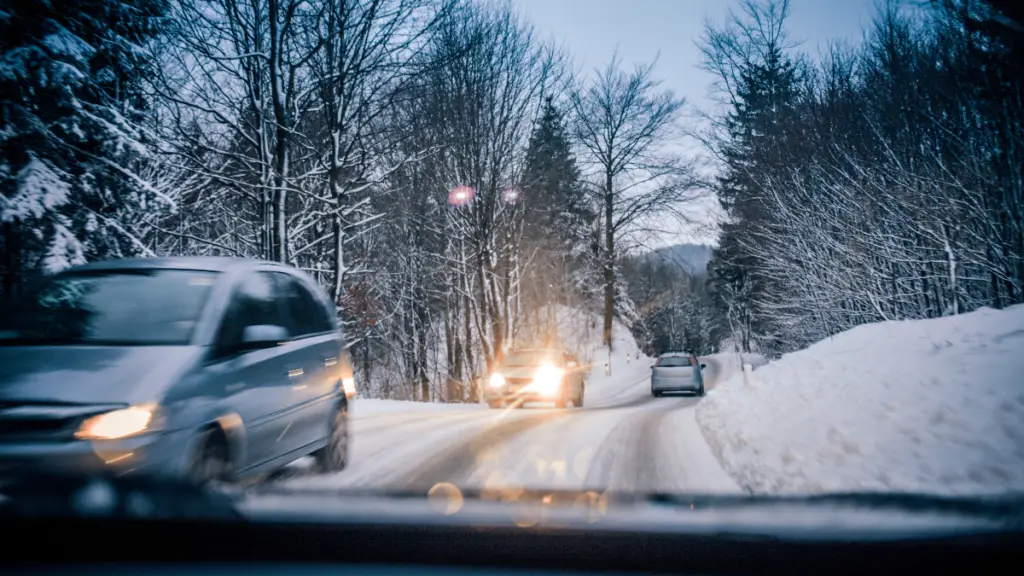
334,455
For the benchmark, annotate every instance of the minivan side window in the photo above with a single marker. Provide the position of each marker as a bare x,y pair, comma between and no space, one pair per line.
255,301
306,314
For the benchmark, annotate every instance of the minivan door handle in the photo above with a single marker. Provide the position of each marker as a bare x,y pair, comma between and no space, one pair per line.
294,374
330,360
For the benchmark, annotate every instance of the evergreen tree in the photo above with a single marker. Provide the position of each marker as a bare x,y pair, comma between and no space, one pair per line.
556,206
754,152
71,103
557,213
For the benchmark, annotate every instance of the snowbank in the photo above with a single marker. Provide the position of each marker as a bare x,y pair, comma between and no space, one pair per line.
724,365
930,405
630,368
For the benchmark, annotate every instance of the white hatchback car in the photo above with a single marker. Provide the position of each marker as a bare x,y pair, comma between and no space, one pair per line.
677,372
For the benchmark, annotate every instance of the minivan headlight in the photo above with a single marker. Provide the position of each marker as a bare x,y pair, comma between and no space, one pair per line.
348,384
497,380
122,423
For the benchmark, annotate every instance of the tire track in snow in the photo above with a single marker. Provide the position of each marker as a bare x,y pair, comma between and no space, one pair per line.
610,403
371,428
630,459
458,461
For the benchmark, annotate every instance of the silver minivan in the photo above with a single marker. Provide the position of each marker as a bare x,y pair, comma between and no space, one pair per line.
209,369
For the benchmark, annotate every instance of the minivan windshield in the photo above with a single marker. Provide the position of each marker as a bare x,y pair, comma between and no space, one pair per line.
122,307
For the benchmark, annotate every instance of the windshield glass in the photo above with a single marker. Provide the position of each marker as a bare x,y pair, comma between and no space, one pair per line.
129,308
811,211
532,358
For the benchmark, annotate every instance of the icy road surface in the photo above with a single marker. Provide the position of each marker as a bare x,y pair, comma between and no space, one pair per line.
622,440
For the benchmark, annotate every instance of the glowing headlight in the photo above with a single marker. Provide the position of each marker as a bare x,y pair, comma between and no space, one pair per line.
117,424
348,383
548,379
496,380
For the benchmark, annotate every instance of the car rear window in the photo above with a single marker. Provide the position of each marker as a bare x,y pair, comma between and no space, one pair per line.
674,362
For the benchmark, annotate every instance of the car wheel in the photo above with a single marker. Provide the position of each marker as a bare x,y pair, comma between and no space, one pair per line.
334,456
655,394
700,392
494,405
578,402
211,464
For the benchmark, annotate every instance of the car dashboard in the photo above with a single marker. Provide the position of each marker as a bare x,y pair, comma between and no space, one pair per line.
93,531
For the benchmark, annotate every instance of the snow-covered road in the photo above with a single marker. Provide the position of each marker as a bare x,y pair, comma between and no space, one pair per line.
623,440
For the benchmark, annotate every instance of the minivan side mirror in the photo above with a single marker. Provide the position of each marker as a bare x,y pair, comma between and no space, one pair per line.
263,336
703,366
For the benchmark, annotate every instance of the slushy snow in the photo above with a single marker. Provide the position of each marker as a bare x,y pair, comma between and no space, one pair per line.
933,406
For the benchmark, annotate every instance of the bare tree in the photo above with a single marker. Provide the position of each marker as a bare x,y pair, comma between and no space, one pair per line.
240,71
369,50
625,125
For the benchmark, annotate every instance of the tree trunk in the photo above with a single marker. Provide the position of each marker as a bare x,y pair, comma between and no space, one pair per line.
609,262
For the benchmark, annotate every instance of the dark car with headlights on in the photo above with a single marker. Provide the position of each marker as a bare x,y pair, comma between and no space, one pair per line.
538,375
210,369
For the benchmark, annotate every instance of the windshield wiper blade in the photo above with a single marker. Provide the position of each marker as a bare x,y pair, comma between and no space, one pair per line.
1008,508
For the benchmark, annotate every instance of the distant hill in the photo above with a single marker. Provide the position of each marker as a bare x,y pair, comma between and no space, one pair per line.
693,258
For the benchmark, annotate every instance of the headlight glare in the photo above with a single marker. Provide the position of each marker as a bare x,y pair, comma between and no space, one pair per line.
496,380
117,424
548,379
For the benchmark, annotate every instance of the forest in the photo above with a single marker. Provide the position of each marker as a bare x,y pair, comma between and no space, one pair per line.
458,186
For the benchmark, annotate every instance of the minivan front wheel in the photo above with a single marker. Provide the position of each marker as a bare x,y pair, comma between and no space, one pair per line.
211,464
334,456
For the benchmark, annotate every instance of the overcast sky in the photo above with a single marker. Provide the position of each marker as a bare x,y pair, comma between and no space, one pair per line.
591,30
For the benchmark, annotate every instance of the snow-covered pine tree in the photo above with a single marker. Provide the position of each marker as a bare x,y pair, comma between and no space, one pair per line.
557,218
71,107
763,86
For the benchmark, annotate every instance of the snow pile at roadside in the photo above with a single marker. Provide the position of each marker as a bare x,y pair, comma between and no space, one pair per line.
929,405
630,368
723,365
